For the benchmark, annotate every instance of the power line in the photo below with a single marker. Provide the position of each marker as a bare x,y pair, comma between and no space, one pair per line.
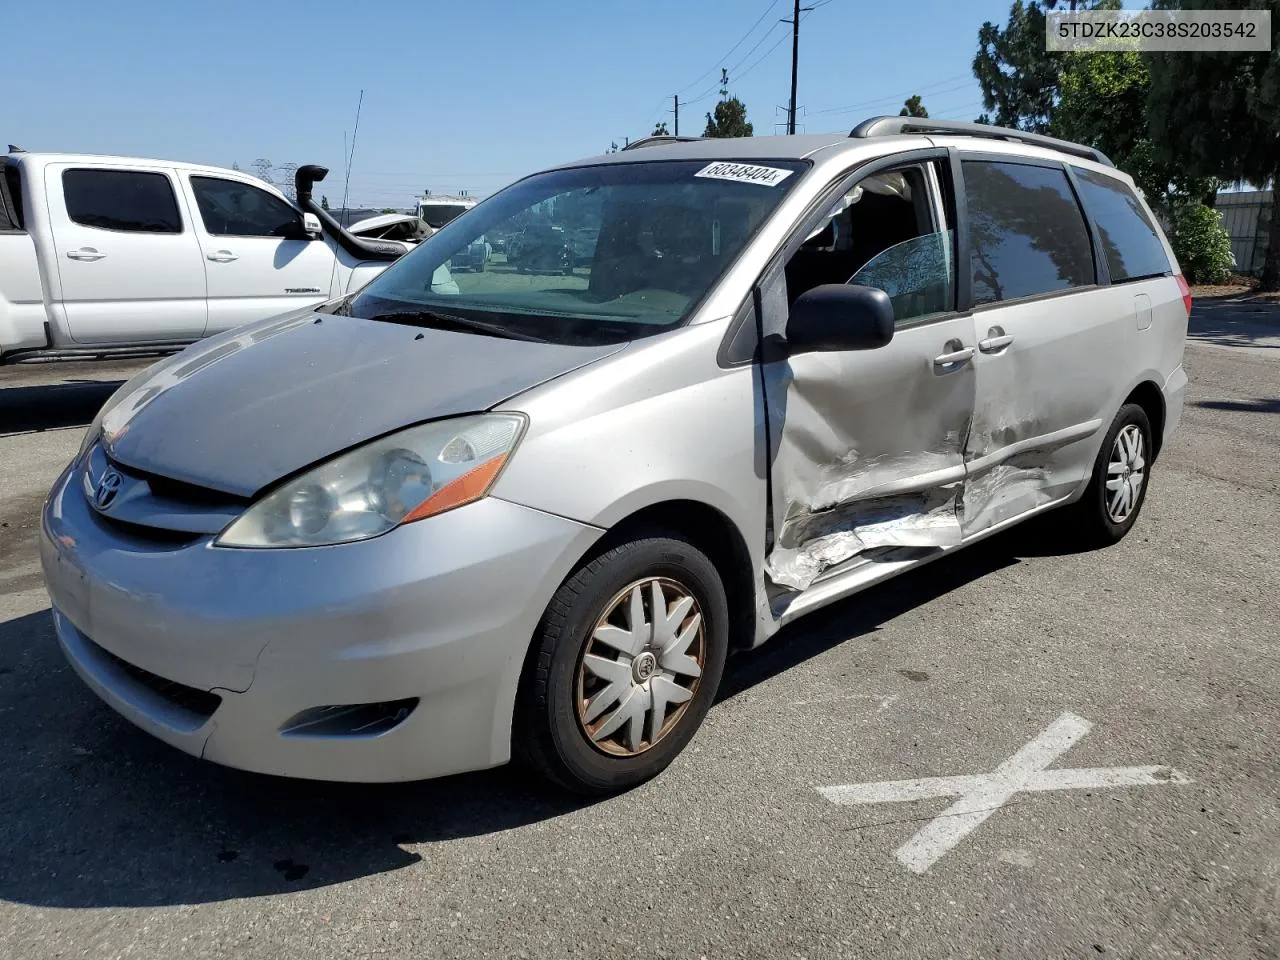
733,71
930,90
781,40
721,60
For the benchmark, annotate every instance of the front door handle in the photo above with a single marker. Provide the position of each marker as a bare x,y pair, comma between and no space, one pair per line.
222,256
87,254
995,344
955,356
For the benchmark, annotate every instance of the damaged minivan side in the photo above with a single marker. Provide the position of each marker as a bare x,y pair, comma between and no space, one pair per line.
430,527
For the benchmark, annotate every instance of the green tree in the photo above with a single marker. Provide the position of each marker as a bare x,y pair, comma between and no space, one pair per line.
1217,114
660,130
1018,77
324,202
1102,103
1201,244
730,120
914,107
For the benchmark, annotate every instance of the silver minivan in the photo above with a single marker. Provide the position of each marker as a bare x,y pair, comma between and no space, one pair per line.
449,520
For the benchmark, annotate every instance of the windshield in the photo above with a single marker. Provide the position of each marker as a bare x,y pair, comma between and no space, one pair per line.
590,255
438,214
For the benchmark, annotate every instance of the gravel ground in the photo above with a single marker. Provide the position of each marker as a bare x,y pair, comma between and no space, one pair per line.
114,845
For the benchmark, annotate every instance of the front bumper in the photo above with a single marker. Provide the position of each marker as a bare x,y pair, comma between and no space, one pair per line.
441,610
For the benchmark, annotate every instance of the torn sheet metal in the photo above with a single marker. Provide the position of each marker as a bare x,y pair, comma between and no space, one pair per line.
812,543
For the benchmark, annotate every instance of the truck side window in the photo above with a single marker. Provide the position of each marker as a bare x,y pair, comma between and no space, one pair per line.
233,209
13,192
133,201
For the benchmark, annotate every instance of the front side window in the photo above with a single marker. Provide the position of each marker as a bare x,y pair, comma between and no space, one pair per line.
1027,235
132,201
1129,240
882,233
233,209
592,254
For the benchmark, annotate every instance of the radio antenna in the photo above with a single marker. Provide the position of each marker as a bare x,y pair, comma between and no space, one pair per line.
350,157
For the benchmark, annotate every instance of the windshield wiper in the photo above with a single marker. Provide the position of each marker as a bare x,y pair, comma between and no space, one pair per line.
432,318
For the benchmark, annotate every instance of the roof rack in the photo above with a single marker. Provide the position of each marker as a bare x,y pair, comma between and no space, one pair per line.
888,126
657,141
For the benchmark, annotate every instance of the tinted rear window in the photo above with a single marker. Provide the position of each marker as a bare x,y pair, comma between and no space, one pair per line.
1129,240
129,200
11,215
1027,235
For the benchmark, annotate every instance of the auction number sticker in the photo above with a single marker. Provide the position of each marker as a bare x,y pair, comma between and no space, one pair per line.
744,173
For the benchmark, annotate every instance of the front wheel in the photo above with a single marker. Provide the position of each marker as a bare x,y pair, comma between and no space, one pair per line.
1118,488
624,667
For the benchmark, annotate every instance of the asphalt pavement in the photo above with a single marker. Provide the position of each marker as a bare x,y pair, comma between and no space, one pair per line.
1150,669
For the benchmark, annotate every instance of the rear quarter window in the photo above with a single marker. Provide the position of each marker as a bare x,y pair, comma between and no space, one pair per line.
132,201
1130,242
11,218
1027,234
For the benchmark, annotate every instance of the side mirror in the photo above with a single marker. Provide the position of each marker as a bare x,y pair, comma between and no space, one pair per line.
840,316
311,226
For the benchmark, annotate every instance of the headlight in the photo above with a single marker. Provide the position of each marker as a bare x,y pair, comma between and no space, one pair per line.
406,476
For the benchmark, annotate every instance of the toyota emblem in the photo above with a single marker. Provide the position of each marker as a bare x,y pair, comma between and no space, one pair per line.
108,487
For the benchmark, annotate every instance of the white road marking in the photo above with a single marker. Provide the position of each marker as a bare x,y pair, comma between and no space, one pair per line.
983,794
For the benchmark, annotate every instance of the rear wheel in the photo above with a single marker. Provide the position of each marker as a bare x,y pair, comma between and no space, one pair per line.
624,666
1118,489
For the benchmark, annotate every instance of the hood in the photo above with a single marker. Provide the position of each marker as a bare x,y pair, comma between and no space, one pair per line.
244,409
382,220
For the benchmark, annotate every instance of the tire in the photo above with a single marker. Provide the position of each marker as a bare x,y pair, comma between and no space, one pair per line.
1092,520
557,691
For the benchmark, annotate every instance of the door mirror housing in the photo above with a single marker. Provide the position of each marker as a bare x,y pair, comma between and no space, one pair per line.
840,316
311,226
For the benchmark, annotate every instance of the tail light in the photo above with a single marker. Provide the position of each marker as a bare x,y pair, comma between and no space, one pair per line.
1186,293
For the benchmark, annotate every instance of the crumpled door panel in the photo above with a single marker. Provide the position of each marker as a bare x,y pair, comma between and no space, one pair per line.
868,450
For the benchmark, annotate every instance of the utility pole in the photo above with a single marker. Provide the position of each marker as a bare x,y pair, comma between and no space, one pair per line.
795,65
795,62
676,98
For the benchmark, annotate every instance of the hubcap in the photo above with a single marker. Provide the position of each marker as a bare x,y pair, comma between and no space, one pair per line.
1126,472
641,666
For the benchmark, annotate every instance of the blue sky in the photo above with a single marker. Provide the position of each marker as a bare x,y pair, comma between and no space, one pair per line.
461,95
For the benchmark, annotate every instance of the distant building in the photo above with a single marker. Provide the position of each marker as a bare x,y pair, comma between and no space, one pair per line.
1246,216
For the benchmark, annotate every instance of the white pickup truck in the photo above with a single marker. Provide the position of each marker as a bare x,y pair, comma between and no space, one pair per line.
102,256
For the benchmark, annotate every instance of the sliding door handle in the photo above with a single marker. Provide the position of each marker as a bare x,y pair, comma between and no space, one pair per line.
995,344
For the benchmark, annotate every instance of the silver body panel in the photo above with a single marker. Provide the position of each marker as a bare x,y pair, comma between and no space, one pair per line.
443,610
431,610
252,414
